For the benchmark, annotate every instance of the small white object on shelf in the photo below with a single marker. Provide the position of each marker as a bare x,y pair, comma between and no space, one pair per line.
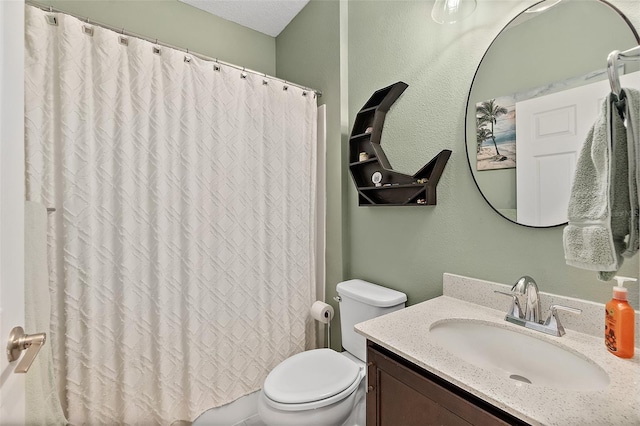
376,178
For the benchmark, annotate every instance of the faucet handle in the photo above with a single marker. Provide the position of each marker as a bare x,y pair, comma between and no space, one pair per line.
553,320
515,310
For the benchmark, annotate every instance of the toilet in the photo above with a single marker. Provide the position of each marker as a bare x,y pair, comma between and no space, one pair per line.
323,387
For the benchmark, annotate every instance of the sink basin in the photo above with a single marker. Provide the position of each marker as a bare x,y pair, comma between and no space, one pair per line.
519,356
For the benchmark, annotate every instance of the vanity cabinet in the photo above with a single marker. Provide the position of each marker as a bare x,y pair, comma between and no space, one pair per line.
400,393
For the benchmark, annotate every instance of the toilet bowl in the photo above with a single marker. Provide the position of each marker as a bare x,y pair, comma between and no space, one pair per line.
317,387
323,387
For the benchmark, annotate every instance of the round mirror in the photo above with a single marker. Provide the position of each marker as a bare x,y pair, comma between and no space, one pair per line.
534,97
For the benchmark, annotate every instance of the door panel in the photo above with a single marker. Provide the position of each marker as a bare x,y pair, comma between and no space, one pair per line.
550,131
11,202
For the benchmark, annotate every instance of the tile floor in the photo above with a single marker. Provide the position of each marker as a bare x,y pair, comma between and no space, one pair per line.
251,421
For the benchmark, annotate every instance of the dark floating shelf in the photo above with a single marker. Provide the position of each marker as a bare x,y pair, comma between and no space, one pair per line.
362,111
395,188
360,136
361,163
383,187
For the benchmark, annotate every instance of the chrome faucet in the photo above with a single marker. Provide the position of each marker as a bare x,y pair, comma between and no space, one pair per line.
527,287
530,318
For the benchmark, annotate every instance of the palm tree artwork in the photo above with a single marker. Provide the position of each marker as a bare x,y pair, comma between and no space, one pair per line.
482,134
487,114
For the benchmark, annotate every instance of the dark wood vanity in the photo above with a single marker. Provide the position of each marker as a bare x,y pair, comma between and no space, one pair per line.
400,393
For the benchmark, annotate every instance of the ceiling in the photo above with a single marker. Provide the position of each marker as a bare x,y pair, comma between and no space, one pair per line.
266,16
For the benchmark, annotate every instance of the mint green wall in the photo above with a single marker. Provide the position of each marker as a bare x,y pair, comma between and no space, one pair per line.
181,25
408,248
308,52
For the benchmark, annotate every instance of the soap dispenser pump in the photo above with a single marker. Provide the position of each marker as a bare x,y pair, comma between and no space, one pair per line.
619,321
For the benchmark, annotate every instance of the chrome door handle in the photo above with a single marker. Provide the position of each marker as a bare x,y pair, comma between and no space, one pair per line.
18,342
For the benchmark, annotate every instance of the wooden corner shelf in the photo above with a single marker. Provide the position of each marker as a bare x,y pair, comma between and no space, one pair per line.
367,157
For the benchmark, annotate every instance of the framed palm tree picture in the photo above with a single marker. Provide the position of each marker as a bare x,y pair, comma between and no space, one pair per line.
496,134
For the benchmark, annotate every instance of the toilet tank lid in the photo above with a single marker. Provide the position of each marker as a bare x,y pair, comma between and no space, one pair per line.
371,294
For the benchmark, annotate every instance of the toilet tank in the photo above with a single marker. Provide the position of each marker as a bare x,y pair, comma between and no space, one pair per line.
361,301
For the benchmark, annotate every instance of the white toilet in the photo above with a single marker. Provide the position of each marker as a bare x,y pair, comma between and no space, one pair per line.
323,387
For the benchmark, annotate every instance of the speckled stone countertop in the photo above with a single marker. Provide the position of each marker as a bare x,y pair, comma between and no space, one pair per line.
406,332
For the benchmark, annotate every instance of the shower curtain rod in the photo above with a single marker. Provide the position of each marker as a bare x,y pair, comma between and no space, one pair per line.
170,46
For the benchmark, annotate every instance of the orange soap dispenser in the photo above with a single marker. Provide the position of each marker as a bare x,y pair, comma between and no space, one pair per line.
619,322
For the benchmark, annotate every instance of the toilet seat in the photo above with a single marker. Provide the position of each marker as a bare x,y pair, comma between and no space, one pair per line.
311,379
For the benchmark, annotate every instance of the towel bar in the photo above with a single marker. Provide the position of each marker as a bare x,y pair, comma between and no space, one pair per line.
632,54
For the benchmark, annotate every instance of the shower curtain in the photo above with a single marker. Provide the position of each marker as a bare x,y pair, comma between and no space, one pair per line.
182,246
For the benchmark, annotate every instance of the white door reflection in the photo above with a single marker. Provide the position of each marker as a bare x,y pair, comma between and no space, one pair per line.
550,131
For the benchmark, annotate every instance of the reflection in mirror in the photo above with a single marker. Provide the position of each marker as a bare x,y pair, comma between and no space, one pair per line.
533,99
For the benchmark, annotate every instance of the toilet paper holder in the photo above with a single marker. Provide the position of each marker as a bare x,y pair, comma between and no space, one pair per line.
323,313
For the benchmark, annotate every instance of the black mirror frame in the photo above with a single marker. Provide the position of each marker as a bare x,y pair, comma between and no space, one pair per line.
466,114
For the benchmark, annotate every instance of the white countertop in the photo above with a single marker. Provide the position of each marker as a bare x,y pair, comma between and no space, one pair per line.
406,333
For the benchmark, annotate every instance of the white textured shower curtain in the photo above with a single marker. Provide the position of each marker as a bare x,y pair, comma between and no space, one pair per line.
182,247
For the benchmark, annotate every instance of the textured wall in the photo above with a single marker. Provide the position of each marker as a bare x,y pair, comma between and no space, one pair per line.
308,52
182,25
408,248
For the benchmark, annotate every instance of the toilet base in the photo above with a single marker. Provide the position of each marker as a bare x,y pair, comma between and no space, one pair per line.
348,412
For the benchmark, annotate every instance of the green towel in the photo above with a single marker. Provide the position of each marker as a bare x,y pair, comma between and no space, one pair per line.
601,215
632,114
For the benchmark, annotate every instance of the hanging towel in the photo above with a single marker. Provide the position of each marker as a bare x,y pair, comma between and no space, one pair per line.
599,201
603,206
632,114
42,400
